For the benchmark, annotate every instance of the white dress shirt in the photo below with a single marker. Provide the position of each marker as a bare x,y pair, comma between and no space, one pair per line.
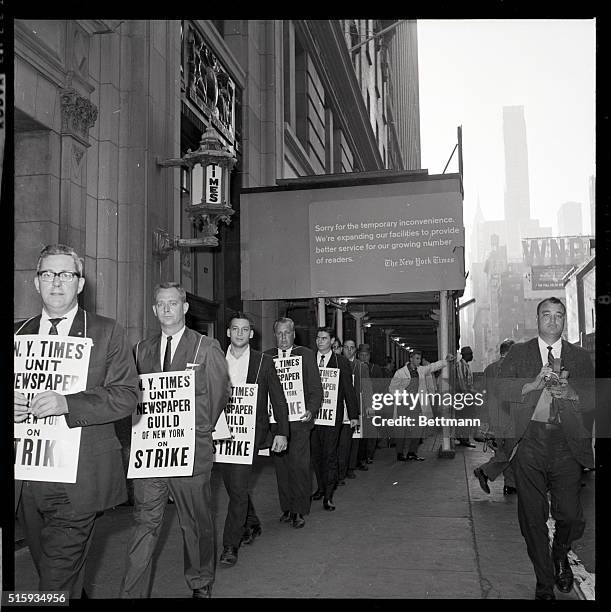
285,352
63,327
175,340
238,366
556,349
327,356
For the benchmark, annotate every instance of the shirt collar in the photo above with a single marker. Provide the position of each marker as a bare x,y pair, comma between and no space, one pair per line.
229,354
175,336
556,347
69,316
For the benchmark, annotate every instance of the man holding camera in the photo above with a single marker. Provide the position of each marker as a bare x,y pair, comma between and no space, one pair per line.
549,384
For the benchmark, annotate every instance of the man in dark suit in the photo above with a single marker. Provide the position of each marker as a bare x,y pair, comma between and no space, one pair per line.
247,365
58,518
293,465
369,439
347,450
498,421
547,405
325,438
178,348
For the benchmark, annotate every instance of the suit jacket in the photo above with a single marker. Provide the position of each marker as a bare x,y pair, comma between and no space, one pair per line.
212,385
312,387
521,364
362,384
499,420
111,394
261,370
345,392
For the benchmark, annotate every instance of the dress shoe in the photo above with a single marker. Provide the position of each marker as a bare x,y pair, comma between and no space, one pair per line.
328,504
466,443
298,521
483,479
564,574
545,596
250,533
317,495
401,457
203,593
341,483
229,556
507,490
362,467
286,517
350,474
414,457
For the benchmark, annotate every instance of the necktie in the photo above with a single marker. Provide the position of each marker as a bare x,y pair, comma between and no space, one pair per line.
283,353
554,416
54,324
167,358
322,361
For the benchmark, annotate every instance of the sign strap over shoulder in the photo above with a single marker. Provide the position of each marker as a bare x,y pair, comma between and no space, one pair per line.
259,369
137,348
25,323
197,349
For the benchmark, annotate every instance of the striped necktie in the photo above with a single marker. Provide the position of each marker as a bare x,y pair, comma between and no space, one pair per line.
54,323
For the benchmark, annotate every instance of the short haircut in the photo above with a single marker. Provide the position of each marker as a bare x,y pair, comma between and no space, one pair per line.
242,315
505,346
339,342
284,321
170,285
551,300
60,249
350,340
328,330
416,352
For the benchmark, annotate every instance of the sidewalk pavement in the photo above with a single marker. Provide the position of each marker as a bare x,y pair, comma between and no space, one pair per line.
401,530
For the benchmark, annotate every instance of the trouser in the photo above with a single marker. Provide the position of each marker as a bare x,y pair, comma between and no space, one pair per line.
192,497
240,511
499,462
407,437
59,537
354,453
293,470
324,443
543,462
344,447
367,445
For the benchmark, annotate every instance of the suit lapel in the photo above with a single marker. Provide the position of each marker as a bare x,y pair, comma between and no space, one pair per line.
253,366
31,327
78,324
154,359
179,362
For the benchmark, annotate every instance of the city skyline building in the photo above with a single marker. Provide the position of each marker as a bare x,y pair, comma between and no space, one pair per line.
570,221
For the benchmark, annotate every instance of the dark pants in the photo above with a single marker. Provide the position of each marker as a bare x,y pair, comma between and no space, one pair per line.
343,451
192,497
407,437
354,453
241,511
58,536
293,470
543,462
367,444
499,463
324,443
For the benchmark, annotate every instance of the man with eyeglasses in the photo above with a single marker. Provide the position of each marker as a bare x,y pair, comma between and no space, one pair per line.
177,348
293,465
58,518
549,384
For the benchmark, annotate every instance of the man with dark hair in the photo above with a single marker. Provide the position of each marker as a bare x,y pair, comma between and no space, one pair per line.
177,348
347,450
549,384
325,438
337,346
498,420
464,384
58,518
246,365
293,465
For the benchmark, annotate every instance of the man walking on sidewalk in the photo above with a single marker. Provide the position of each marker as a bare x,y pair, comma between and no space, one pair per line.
498,420
550,385
179,349
248,366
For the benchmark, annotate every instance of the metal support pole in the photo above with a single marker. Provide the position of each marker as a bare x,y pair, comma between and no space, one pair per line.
321,312
359,329
339,324
445,450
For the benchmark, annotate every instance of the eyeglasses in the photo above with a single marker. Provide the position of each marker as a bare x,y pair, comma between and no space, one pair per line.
547,316
47,276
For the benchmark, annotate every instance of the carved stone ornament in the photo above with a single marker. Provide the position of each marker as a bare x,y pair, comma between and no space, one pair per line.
78,115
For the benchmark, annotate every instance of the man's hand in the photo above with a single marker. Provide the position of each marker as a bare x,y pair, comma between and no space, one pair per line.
307,416
48,403
538,382
279,444
450,357
21,409
563,391
354,423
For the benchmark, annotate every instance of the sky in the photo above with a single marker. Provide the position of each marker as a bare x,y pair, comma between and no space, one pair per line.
470,69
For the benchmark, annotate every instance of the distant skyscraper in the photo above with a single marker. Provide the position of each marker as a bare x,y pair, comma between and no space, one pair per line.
570,222
517,198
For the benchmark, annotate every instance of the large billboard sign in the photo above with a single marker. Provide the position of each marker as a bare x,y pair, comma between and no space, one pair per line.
366,239
548,260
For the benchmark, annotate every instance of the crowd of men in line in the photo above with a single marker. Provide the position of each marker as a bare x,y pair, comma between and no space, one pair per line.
58,518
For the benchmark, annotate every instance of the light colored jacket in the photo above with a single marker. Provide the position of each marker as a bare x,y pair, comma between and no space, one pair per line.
402,378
